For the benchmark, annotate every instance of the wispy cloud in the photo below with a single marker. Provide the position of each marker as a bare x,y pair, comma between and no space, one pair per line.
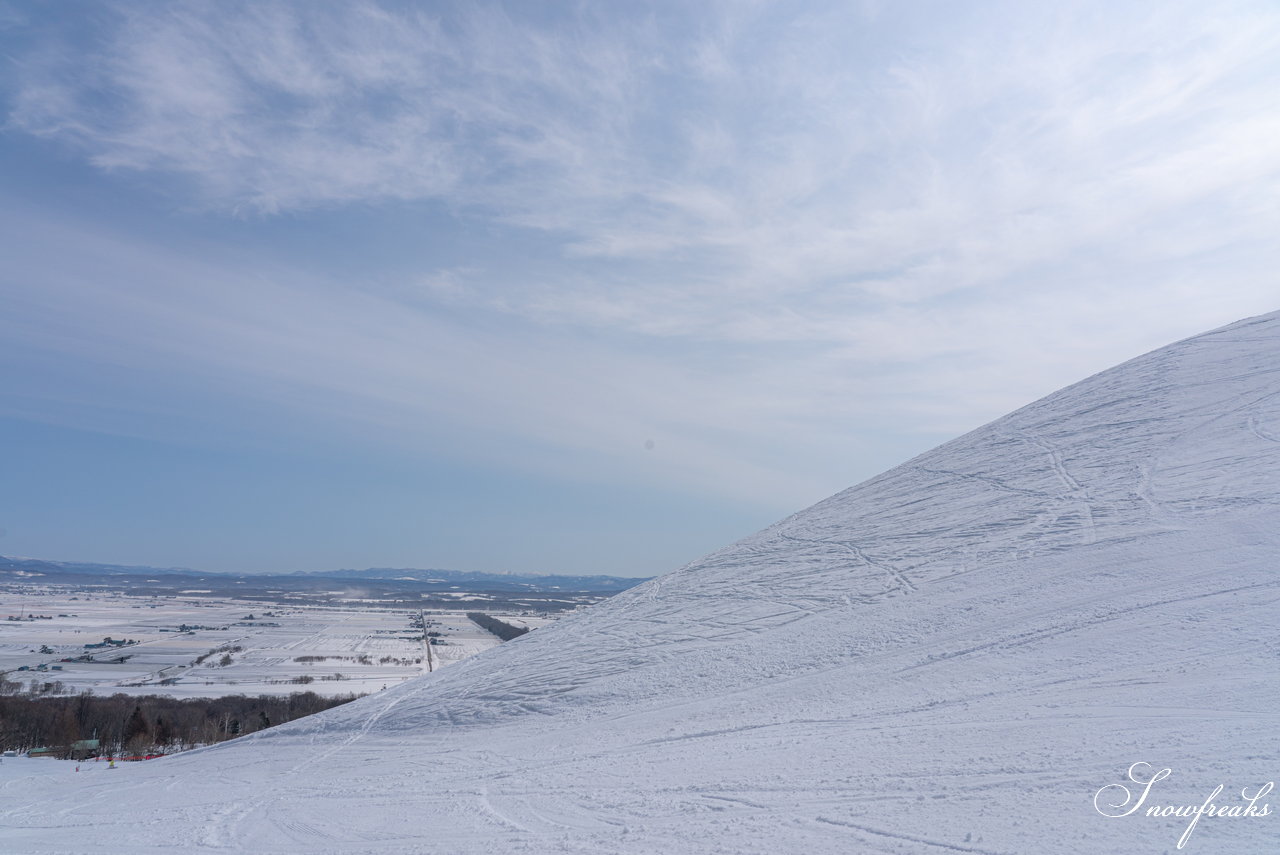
789,218
350,365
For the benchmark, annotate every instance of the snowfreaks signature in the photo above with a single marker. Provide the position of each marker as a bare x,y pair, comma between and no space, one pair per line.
1140,773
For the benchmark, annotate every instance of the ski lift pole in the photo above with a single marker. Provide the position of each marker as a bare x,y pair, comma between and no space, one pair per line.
426,642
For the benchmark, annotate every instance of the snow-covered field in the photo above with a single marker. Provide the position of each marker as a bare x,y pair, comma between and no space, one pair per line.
524,621
344,650
957,656
19,772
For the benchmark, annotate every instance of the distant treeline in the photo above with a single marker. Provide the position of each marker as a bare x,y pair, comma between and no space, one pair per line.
144,724
502,629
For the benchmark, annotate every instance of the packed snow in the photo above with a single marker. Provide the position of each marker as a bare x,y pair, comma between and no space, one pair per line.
955,656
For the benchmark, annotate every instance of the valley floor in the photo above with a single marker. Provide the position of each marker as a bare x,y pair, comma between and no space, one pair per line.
268,648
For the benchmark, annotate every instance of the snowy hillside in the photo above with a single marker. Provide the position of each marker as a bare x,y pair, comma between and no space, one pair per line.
954,656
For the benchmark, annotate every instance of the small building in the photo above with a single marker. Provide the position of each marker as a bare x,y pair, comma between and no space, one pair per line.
85,748
81,749
108,642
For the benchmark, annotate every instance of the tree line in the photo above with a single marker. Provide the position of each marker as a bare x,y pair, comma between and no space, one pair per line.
144,724
500,628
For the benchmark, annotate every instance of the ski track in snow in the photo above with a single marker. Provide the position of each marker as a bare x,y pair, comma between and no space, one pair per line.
951,657
950,847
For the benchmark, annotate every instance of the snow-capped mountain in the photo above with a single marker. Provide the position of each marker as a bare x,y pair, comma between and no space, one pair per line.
955,656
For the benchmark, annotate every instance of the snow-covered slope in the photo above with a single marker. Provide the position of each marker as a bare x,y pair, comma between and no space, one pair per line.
952,657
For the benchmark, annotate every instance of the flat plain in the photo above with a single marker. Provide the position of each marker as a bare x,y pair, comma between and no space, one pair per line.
197,644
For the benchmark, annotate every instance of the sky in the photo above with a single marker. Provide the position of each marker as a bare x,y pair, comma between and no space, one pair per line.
590,288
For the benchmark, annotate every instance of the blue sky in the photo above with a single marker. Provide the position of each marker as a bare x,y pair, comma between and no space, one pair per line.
583,287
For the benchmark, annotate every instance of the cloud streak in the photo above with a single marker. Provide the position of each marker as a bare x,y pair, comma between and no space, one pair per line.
761,223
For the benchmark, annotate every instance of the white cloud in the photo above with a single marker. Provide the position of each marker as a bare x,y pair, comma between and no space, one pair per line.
348,364
793,218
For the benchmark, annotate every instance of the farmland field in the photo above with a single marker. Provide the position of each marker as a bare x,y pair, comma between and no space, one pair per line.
196,644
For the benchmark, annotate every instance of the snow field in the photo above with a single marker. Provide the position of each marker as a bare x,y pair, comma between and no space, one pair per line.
370,649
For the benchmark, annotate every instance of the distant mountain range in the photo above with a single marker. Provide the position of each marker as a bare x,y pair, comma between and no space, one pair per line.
41,567
488,580
23,567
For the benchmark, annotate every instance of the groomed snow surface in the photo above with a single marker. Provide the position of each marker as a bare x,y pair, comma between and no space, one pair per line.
954,656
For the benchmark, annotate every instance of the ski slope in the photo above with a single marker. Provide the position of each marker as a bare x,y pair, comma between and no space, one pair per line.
953,657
